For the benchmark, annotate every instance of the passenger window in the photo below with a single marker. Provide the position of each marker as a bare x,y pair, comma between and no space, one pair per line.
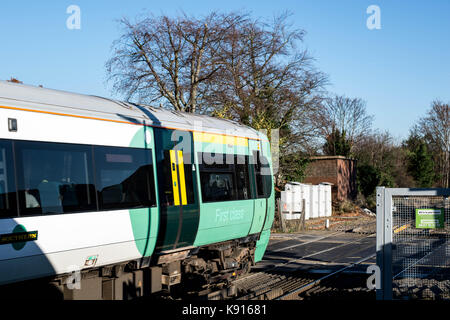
242,177
8,203
124,177
262,176
54,178
226,178
217,186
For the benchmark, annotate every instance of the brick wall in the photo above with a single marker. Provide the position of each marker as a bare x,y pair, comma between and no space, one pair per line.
339,171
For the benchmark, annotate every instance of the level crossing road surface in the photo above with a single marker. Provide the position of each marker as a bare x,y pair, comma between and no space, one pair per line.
318,252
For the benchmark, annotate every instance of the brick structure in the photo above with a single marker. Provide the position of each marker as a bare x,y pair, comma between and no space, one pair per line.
337,170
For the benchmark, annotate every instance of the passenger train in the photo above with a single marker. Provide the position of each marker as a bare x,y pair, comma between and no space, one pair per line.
102,199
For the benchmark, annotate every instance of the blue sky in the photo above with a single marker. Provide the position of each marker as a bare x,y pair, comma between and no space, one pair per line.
398,70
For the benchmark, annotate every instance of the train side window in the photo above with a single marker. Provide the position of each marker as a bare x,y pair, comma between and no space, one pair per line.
242,177
217,186
262,176
8,203
124,177
224,177
54,178
217,178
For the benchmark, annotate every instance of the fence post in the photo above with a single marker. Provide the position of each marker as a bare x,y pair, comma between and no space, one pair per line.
303,214
384,242
388,221
380,239
283,222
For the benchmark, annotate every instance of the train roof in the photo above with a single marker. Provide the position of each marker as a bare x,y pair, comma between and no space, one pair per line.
31,98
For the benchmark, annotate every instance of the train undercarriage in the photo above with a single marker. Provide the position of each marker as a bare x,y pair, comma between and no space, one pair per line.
177,274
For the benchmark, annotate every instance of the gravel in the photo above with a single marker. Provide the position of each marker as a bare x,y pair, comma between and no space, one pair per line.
421,289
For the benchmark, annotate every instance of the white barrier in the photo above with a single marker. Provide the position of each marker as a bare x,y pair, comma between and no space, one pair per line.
316,199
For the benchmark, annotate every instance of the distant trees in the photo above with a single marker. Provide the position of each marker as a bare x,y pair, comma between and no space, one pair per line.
337,144
377,157
343,120
434,129
420,162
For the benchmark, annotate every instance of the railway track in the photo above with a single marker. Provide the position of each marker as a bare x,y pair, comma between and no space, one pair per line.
276,284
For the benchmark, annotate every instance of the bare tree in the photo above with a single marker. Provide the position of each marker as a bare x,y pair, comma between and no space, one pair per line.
348,116
381,160
376,149
435,128
227,65
267,81
168,60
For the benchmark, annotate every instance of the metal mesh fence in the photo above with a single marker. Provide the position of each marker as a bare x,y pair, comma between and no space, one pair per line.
421,247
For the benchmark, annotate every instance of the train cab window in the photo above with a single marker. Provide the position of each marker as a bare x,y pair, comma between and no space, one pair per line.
263,175
124,177
54,178
8,204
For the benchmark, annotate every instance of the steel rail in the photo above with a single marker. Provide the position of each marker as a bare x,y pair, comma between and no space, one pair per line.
318,281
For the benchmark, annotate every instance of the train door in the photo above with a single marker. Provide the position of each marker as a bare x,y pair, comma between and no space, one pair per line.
179,209
260,203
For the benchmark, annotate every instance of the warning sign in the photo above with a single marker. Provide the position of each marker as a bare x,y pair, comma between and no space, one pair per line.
429,218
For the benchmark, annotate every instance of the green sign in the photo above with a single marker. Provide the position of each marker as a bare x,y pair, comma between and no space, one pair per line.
429,218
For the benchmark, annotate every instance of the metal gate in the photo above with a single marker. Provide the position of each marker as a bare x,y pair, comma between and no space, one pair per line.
413,243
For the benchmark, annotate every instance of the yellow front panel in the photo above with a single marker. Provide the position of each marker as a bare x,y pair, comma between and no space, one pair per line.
182,180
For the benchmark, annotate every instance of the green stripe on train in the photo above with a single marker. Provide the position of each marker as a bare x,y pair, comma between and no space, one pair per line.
145,221
263,241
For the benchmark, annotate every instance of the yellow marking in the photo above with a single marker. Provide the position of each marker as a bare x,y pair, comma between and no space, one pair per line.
173,164
400,229
220,139
17,237
182,180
